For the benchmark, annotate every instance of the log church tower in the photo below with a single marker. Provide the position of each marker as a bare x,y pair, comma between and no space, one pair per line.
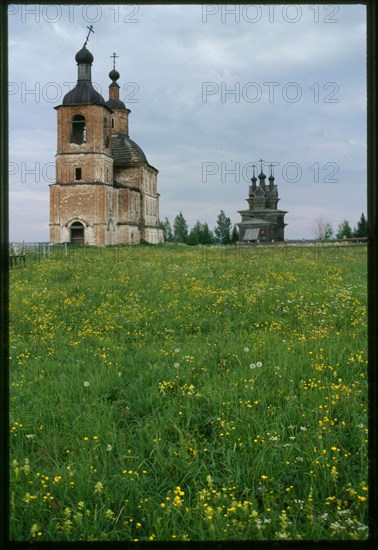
105,191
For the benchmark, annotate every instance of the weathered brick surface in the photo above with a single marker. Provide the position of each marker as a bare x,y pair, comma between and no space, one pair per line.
113,205
120,121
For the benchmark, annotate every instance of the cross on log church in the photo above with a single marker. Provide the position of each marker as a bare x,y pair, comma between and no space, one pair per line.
106,190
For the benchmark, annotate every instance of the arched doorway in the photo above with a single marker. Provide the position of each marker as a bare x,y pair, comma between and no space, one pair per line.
77,233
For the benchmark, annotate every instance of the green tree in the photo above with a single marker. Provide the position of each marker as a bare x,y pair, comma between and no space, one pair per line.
180,229
344,230
361,229
167,230
235,234
223,229
200,234
207,236
195,233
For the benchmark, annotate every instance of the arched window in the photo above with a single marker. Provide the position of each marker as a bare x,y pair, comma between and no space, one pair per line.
78,130
106,132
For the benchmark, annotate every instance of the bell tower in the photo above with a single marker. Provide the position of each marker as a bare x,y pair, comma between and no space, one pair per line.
81,202
105,191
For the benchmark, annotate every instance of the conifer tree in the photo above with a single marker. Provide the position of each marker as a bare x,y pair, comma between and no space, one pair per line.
167,230
180,229
223,229
207,236
200,234
235,234
195,233
361,229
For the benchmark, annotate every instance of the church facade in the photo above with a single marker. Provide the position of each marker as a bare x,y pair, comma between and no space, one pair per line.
263,221
106,190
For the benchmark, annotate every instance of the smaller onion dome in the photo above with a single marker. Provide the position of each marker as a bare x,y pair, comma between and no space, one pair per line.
114,75
114,102
84,56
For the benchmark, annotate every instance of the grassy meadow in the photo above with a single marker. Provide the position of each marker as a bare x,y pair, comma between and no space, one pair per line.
176,393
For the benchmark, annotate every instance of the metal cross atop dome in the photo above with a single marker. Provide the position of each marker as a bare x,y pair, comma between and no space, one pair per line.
114,58
261,163
90,30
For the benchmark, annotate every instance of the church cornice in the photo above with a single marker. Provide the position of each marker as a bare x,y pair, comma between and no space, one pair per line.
84,105
258,222
76,153
82,184
128,187
256,212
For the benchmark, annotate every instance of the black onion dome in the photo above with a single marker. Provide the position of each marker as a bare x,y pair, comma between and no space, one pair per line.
114,74
125,151
84,56
115,104
83,94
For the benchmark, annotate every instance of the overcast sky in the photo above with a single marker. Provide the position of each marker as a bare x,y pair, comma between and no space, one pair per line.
212,89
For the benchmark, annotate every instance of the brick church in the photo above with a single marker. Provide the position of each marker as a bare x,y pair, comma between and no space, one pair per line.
106,190
263,221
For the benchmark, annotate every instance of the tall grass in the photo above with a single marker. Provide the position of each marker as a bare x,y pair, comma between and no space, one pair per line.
172,394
